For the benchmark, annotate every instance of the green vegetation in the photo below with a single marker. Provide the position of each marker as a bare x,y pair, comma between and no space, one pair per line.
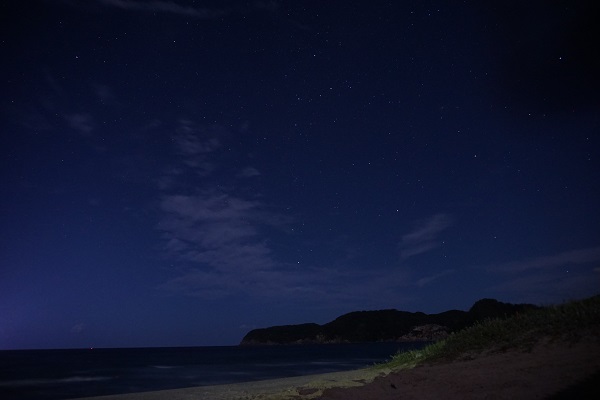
567,322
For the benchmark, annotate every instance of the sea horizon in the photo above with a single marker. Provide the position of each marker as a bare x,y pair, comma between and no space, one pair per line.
51,374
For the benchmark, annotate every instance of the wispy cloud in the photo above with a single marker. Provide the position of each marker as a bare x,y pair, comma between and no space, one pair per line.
216,229
220,238
579,256
425,236
218,235
192,140
249,172
428,279
194,145
104,93
81,122
164,7
223,240
313,286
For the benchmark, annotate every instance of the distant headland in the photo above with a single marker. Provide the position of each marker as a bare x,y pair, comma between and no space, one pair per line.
383,326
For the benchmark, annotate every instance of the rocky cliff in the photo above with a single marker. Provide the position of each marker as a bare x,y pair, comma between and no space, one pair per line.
383,325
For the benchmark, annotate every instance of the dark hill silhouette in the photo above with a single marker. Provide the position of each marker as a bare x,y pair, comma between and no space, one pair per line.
383,325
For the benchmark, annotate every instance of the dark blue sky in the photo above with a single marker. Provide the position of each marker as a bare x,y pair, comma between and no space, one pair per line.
177,173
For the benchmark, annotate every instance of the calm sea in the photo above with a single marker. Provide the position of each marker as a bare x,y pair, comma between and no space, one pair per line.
64,374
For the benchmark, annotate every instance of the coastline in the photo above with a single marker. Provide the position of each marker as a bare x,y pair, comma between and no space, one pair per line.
547,369
299,387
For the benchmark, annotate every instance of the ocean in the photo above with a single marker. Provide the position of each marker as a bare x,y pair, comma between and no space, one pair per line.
65,374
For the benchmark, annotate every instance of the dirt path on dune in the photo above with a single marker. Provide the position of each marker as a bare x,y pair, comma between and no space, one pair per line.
539,374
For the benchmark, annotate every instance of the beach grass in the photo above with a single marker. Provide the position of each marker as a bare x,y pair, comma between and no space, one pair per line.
566,322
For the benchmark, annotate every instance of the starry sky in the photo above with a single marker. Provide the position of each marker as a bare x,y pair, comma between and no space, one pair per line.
176,173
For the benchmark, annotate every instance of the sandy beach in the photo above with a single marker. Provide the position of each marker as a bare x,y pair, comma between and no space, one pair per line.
301,387
549,370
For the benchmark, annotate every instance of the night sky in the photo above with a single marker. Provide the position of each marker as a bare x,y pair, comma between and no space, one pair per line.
176,173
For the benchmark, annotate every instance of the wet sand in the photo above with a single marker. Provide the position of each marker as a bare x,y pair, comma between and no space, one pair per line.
541,373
